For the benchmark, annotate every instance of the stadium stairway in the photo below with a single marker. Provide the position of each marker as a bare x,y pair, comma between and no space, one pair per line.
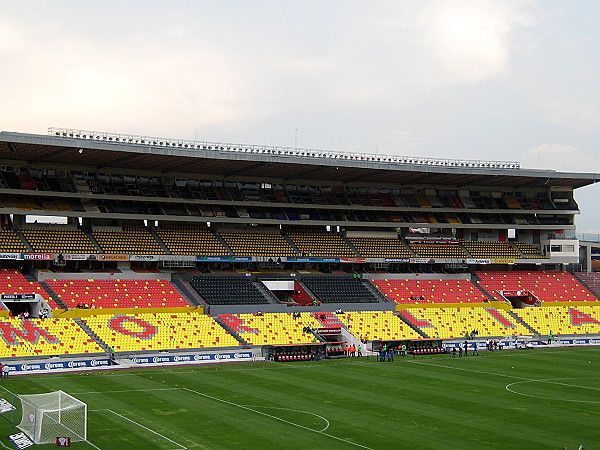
351,246
23,240
93,335
187,292
49,290
290,242
522,322
159,241
410,324
352,340
588,281
91,237
376,292
222,241
475,280
230,330
271,298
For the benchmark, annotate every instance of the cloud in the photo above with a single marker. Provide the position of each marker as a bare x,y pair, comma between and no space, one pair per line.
576,111
470,39
564,158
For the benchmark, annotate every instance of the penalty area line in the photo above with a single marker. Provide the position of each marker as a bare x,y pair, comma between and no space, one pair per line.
139,425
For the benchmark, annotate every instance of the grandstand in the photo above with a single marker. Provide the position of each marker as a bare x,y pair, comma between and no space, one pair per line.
142,245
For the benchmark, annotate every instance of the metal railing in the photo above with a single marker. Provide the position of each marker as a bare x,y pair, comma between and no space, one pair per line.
184,144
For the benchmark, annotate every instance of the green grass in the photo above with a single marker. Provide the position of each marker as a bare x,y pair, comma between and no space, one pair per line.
528,399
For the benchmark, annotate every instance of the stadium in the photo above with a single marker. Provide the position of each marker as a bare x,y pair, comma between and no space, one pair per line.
171,258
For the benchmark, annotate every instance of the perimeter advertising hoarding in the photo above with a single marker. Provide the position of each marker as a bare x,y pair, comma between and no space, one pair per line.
206,357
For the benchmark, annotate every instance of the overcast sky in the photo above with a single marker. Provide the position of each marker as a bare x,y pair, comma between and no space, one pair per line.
493,80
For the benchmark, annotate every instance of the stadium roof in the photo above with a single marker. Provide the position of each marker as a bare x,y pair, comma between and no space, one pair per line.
262,162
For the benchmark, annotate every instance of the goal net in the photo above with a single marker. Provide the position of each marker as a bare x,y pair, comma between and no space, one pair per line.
54,414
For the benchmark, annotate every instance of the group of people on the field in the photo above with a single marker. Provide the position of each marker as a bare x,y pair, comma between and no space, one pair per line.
353,350
387,352
465,347
493,345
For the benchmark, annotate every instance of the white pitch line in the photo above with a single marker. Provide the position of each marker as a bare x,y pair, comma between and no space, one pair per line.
276,418
141,426
295,410
472,370
550,381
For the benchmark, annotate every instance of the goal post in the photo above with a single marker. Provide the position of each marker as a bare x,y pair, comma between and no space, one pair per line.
54,414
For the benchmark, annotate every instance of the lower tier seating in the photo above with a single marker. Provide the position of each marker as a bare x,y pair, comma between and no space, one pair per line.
42,337
13,282
458,322
377,326
228,290
272,328
159,331
430,291
338,289
562,319
117,293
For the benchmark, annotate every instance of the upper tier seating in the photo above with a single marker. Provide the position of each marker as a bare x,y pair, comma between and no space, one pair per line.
37,337
13,282
450,323
338,289
58,240
491,249
228,290
377,326
528,250
257,243
10,242
380,247
117,293
190,240
159,331
129,240
272,328
430,291
546,286
317,242
562,319
425,249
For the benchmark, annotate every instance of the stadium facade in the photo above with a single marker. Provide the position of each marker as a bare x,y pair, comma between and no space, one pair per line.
246,228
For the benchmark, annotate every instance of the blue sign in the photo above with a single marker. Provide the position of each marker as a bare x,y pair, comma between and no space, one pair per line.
232,356
59,365
312,259
225,258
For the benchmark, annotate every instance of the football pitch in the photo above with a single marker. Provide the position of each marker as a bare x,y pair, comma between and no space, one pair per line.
518,399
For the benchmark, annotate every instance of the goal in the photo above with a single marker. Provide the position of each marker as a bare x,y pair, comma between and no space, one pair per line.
54,414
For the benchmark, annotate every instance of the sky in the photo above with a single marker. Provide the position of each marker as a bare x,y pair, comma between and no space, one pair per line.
486,80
